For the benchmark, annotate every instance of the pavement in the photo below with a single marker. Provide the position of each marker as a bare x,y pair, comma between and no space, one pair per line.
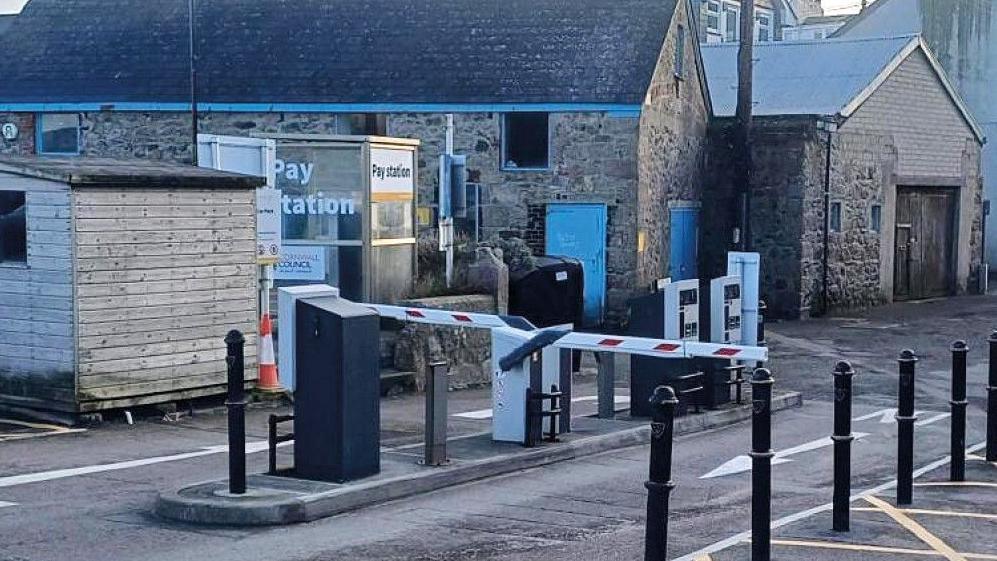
89,494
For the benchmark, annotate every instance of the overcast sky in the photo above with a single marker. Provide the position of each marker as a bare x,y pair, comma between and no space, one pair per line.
831,6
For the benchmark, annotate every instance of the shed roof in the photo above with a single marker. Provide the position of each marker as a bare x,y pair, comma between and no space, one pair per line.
335,51
830,77
108,172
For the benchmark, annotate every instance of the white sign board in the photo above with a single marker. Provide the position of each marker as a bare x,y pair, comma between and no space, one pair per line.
392,175
301,263
268,226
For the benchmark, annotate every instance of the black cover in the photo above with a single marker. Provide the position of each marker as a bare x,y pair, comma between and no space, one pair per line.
540,297
337,396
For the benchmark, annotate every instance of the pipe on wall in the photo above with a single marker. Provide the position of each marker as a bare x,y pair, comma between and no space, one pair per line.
829,126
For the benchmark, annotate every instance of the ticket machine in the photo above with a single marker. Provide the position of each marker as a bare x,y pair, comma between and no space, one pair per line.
681,319
725,310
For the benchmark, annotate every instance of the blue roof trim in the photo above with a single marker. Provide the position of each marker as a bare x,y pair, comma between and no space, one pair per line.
616,109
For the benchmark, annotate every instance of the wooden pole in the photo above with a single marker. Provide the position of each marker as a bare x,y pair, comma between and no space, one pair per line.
742,126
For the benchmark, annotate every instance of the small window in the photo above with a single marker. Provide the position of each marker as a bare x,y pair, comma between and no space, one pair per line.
835,217
373,124
59,133
876,218
526,141
732,19
818,34
680,52
13,228
763,28
712,10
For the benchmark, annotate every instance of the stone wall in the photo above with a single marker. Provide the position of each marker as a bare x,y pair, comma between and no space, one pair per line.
466,350
25,141
671,149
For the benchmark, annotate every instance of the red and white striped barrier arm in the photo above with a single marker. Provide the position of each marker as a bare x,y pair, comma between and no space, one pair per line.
660,348
438,317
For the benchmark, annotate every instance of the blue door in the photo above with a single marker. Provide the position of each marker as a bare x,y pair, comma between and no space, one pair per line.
579,231
684,243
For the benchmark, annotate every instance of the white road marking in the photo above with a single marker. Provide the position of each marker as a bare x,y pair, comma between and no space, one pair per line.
4,504
10,481
889,416
742,463
481,414
786,520
934,419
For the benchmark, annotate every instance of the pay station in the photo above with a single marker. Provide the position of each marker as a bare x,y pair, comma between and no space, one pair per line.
725,309
348,205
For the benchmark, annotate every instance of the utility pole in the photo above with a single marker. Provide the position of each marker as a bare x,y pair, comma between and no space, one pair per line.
192,42
742,126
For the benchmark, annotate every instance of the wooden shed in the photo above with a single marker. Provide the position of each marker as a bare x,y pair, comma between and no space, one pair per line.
119,280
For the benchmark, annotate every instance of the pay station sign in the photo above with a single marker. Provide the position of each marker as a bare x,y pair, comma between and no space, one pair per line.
268,226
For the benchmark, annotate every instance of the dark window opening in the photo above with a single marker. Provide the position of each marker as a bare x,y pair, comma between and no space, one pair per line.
876,218
526,141
13,228
59,133
835,217
372,124
680,52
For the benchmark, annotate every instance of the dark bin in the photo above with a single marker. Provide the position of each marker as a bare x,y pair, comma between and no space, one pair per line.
337,398
552,293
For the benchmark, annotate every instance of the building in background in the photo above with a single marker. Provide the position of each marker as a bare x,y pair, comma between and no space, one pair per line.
963,36
815,27
584,129
719,20
888,209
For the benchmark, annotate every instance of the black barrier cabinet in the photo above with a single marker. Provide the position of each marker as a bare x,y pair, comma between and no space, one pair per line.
337,398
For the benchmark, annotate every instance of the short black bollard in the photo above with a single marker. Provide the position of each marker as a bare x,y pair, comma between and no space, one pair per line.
842,438
905,429
236,403
761,465
992,401
659,484
957,471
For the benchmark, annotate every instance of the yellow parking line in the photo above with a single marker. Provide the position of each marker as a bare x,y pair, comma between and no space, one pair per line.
922,534
932,512
957,484
877,549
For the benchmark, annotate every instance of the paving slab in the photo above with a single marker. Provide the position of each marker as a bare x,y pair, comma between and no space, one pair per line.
275,500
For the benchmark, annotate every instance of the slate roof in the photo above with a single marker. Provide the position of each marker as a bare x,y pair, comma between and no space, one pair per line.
335,51
799,77
109,172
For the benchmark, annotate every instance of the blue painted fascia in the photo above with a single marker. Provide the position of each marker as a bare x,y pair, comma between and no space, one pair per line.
622,110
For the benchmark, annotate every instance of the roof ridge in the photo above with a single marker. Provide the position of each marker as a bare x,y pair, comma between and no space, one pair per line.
826,41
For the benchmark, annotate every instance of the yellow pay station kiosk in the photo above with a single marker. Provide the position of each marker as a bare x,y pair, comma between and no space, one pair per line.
348,207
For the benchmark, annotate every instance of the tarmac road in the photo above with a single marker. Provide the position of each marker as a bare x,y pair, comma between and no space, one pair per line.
592,508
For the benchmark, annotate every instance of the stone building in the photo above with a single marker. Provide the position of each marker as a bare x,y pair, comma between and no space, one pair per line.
889,209
598,108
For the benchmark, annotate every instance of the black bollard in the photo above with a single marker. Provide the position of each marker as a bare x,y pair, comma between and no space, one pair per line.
761,465
992,402
659,484
957,470
905,429
842,445
236,403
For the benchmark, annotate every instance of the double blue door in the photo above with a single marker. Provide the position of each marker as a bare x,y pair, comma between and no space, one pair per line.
684,243
579,231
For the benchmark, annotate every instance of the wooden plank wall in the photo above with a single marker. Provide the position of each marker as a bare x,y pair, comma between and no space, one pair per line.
162,276
36,303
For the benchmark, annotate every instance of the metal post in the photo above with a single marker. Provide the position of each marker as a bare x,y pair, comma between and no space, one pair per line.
905,429
565,385
436,414
762,308
236,403
842,444
992,402
659,484
957,470
272,444
607,385
761,465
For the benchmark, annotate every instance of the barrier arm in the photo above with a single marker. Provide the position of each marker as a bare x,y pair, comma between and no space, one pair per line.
659,348
439,317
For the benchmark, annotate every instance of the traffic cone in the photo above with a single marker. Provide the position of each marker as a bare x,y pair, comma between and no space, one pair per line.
268,366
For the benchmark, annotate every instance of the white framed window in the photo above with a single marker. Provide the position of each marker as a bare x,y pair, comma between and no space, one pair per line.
731,22
763,25
58,133
712,15
525,141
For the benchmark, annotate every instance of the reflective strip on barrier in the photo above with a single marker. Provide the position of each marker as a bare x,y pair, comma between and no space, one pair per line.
438,317
660,348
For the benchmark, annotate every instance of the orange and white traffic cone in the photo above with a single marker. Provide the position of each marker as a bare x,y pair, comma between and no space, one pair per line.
268,366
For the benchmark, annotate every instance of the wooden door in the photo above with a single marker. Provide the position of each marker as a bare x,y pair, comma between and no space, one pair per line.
924,265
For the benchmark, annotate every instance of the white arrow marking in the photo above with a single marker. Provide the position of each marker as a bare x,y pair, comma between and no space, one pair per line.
741,464
934,419
10,481
889,416
4,504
